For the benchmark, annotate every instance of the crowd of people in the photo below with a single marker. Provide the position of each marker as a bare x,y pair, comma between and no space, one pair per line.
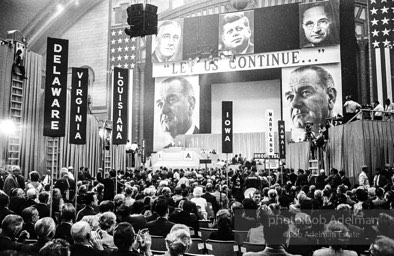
292,212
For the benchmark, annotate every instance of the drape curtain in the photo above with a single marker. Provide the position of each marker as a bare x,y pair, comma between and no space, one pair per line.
118,157
363,142
33,143
297,155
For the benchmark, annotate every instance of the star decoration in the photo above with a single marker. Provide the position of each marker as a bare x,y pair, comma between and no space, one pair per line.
374,22
119,49
126,65
374,11
112,50
384,9
132,65
113,41
127,39
385,21
120,40
386,42
113,33
119,57
133,48
112,58
382,1
119,66
120,32
375,44
126,57
126,48
386,31
133,39
132,56
375,33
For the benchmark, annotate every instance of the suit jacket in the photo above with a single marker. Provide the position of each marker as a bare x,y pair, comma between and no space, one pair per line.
160,227
29,227
87,210
4,212
10,183
109,186
302,179
345,181
137,221
380,181
81,250
63,230
211,199
65,184
7,244
182,217
43,210
17,205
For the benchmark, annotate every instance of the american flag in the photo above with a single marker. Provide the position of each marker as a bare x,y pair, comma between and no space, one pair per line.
122,49
381,40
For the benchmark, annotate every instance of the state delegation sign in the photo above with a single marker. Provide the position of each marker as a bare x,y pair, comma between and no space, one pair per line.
120,106
56,88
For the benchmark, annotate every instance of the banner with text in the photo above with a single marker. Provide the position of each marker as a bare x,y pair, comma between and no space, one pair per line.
79,105
299,57
56,88
227,127
269,132
282,139
120,106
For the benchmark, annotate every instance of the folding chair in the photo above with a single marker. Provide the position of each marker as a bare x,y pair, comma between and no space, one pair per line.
158,243
240,236
197,247
204,223
222,248
252,247
205,232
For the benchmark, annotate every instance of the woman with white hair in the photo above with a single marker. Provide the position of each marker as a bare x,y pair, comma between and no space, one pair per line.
178,241
200,202
107,224
45,229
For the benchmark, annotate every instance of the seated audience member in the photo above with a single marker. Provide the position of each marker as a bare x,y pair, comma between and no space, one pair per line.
248,219
385,225
86,243
200,202
178,241
89,209
222,213
300,228
30,216
45,229
256,235
185,215
382,246
63,230
136,219
42,206
93,221
4,203
224,231
31,197
11,234
107,223
124,239
18,201
161,226
277,235
57,247
337,237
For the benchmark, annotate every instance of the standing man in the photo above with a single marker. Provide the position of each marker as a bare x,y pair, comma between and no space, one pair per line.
351,108
377,114
236,34
389,107
363,180
319,25
311,96
176,104
11,181
167,42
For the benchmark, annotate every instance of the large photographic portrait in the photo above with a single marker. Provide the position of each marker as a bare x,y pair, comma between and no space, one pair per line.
167,44
177,109
236,33
319,24
312,94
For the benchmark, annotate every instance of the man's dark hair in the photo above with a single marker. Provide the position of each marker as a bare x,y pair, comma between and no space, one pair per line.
342,173
106,206
34,176
43,197
89,197
187,87
326,80
68,212
4,199
138,207
188,206
234,16
276,229
161,207
379,192
124,235
334,171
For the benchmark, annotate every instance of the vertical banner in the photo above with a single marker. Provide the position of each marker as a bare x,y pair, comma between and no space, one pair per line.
143,159
79,105
269,132
120,106
56,88
227,127
282,139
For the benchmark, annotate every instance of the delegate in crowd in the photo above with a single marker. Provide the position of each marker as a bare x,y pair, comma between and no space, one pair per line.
291,212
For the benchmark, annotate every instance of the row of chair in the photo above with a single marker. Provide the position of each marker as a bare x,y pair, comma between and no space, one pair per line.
216,247
204,233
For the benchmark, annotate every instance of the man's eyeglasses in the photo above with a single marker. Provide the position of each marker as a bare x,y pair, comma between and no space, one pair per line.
320,24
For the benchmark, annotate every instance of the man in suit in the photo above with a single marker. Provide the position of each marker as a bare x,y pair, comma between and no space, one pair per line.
333,180
11,230
161,226
379,180
344,180
211,198
176,105
302,178
91,204
167,41
236,34
63,230
12,181
185,216
4,203
86,242
42,206
66,185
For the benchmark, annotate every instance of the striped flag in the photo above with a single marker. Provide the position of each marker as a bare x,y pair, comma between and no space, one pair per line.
122,49
381,43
